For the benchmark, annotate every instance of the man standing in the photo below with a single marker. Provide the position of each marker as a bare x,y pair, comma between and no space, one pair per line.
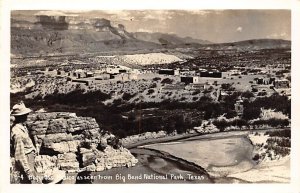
23,150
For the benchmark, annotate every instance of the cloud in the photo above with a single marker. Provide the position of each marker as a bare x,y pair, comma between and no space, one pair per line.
239,29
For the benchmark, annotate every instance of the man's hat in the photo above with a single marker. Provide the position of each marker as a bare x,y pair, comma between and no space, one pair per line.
54,176
20,109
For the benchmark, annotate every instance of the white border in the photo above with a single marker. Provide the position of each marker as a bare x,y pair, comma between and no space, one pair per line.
7,5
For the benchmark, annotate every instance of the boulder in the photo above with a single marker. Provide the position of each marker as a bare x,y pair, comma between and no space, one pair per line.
57,137
45,162
66,157
69,166
88,158
91,168
61,147
57,126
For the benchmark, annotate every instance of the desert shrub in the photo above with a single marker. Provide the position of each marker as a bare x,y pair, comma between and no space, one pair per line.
156,79
256,157
280,141
277,102
279,133
183,98
167,81
262,94
206,91
272,122
77,97
195,98
196,92
150,91
278,150
127,96
247,94
221,124
153,85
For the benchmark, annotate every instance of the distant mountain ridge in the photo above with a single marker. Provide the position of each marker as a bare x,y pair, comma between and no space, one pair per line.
45,35
167,39
248,45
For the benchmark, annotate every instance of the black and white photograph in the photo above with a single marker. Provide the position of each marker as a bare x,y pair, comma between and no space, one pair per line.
149,96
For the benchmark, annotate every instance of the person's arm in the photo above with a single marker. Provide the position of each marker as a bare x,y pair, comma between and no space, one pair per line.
20,156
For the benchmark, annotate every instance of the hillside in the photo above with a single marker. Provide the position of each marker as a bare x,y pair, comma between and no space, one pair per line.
247,45
167,39
35,42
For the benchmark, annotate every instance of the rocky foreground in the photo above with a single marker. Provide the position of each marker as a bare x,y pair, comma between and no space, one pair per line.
74,144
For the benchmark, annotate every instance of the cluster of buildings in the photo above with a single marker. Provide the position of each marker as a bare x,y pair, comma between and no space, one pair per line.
186,79
190,77
89,77
124,73
277,83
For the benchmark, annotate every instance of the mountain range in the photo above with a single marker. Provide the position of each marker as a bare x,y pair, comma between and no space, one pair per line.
62,35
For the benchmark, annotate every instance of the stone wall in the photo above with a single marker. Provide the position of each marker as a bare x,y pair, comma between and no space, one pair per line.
74,144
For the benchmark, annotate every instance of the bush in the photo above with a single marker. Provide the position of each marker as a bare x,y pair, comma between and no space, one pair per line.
262,94
222,124
247,94
195,98
150,91
282,142
167,81
279,133
272,122
277,102
127,96
154,85
196,92
156,79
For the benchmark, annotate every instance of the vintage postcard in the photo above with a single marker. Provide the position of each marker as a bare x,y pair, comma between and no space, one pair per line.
150,96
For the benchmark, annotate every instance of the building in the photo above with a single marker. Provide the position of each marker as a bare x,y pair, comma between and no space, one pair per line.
284,83
272,80
211,74
190,79
89,74
168,72
78,74
103,76
196,86
112,69
86,82
122,77
61,73
235,72
239,107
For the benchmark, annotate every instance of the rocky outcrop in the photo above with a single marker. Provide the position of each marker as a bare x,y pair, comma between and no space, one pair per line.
74,144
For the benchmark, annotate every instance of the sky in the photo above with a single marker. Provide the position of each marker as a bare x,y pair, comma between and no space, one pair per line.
213,25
